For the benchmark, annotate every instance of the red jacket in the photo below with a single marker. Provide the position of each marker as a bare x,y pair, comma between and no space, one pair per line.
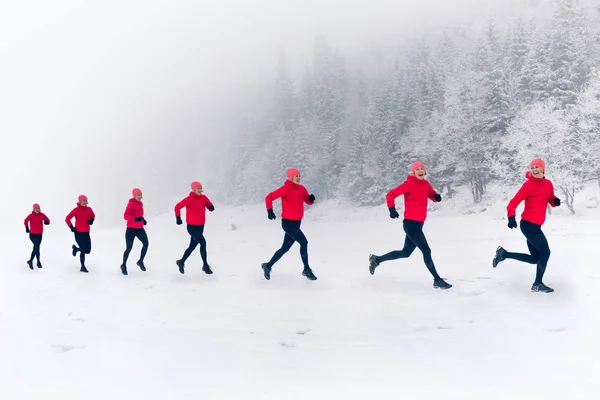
293,197
195,208
36,222
537,193
416,192
134,209
82,214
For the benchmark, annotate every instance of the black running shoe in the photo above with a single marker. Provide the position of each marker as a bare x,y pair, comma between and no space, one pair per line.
540,287
441,284
267,270
498,257
181,266
373,263
308,273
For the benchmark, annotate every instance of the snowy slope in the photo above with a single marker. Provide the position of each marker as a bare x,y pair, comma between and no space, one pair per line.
349,335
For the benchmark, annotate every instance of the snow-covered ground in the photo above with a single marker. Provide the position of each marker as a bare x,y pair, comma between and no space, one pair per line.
349,335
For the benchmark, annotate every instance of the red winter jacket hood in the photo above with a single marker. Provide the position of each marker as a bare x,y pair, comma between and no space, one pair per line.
82,215
293,197
134,209
195,208
416,193
36,222
537,193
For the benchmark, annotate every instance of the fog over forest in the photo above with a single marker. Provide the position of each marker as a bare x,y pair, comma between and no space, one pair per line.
100,98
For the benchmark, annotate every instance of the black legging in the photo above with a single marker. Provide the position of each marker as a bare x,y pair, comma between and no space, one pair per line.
130,235
414,238
292,234
36,239
196,238
85,245
538,249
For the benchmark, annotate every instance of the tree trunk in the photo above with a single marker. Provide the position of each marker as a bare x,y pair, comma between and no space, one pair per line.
477,186
569,197
451,191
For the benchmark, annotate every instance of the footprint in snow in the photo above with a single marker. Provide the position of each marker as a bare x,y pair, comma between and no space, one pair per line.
288,345
76,317
303,331
484,277
475,293
426,328
66,348
557,329
465,280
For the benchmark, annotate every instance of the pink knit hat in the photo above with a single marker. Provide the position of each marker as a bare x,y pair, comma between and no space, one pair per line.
195,185
416,165
539,162
136,192
292,172
36,205
81,198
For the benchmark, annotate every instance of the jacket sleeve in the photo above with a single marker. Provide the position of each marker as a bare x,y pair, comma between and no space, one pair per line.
92,215
274,196
45,218
521,195
27,220
128,214
180,205
207,202
392,194
70,217
306,195
552,195
431,193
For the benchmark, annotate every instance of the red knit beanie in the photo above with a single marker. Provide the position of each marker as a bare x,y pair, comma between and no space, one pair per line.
195,185
539,162
416,165
292,172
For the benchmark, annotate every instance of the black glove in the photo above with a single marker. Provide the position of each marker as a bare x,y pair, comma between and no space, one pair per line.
394,213
211,208
178,220
311,198
139,219
437,197
46,222
556,201
271,214
72,228
91,221
512,223
27,229
145,222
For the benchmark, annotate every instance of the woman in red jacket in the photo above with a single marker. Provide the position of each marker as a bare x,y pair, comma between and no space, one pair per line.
195,205
34,225
537,192
417,191
134,215
293,196
84,217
